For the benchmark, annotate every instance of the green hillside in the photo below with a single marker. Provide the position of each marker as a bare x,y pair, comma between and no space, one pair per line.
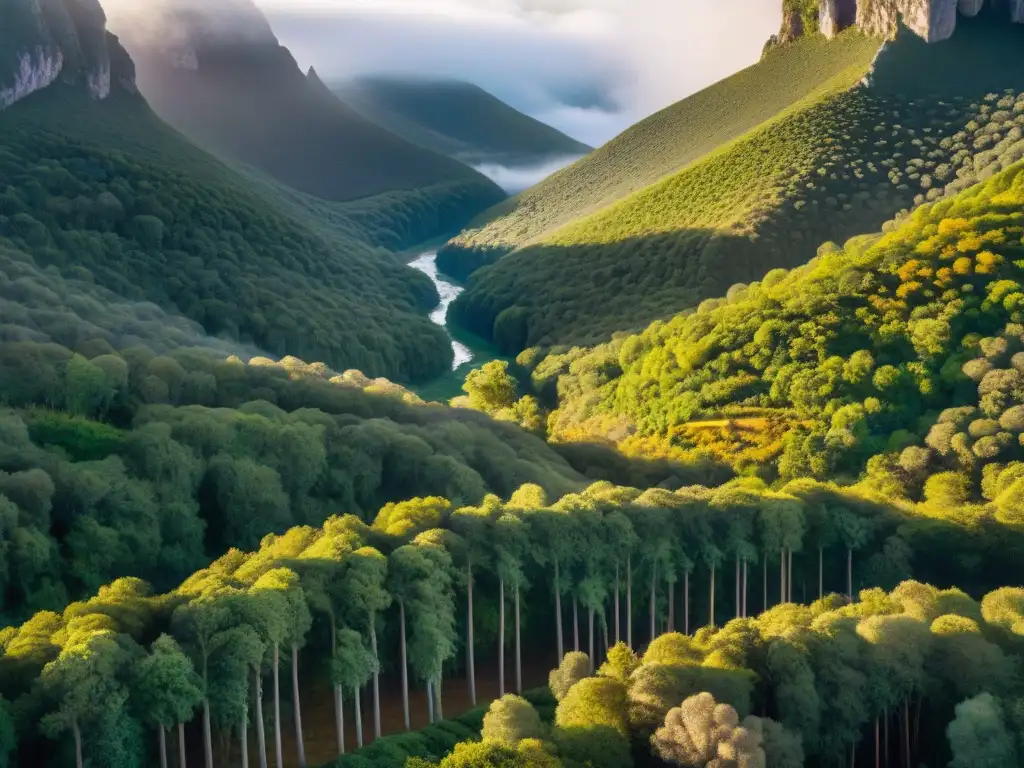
253,104
829,168
901,353
457,119
105,193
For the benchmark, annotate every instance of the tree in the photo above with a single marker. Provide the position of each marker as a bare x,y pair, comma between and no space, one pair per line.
978,736
594,702
701,733
574,667
622,663
511,719
490,388
168,690
352,667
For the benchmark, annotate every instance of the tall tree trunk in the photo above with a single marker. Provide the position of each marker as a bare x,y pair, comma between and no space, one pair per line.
243,737
300,744
739,605
339,718
519,651
278,749
745,565
906,731
207,737
575,623
405,665
430,701
558,612
359,717
604,626
712,617
617,589
789,578
849,573
440,705
376,678
162,734
470,650
629,601
878,747
590,637
853,754
182,757
885,738
916,741
672,606
686,602
821,573
78,743
501,637
654,597
261,736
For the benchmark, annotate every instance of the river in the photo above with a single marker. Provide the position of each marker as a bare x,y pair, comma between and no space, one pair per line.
427,264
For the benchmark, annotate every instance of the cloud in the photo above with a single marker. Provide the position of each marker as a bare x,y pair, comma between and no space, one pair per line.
515,180
588,67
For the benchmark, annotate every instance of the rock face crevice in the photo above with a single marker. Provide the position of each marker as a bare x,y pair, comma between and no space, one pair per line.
931,20
43,41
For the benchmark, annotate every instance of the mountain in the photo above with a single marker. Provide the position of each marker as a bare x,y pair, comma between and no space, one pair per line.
218,74
822,139
457,119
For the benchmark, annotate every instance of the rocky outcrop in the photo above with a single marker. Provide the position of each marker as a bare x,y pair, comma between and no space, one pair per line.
49,40
837,15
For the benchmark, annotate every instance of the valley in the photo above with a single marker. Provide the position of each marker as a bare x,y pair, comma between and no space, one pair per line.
704,451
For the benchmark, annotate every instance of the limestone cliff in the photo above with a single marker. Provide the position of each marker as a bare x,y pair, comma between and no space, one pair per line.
932,20
43,41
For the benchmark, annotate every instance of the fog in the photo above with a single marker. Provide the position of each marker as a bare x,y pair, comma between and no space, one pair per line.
515,179
589,67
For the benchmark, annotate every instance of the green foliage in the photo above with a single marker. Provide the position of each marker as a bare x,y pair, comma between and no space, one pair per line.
490,388
8,738
575,666
511,719
979,736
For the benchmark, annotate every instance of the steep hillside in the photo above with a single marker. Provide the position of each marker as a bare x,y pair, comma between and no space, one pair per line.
908,346
457,119
221,77
830,167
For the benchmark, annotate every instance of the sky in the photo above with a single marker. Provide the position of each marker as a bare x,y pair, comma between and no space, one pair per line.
589,67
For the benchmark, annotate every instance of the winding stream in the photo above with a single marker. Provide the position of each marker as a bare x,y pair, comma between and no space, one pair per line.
427,264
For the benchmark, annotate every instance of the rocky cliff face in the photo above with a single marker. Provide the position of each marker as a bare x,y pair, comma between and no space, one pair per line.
43,41
932,20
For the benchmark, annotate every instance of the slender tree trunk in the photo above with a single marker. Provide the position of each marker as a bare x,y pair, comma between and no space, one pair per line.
739,605
405,664
849,573
339,718
207,737
617,589
789,578
558,612
261,736
575,623
590,637
604,626
501,637
686,603
821,573
712,616
278,749
878,747
430,701
885,738
78,742
440,705
853,754
376,678
182,757
745,564
654,597
470,650
162,734
629,601
519,650
300,744
906,732
671,606
916,741
244,739
359,717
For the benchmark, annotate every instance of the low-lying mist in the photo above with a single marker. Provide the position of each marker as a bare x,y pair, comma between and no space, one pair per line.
516,178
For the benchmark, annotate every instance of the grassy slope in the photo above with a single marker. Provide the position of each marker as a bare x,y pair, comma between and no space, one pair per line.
827,168
216,249
254,104
671,139
458,119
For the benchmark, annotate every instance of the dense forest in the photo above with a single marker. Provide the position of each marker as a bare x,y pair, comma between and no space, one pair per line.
833,166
